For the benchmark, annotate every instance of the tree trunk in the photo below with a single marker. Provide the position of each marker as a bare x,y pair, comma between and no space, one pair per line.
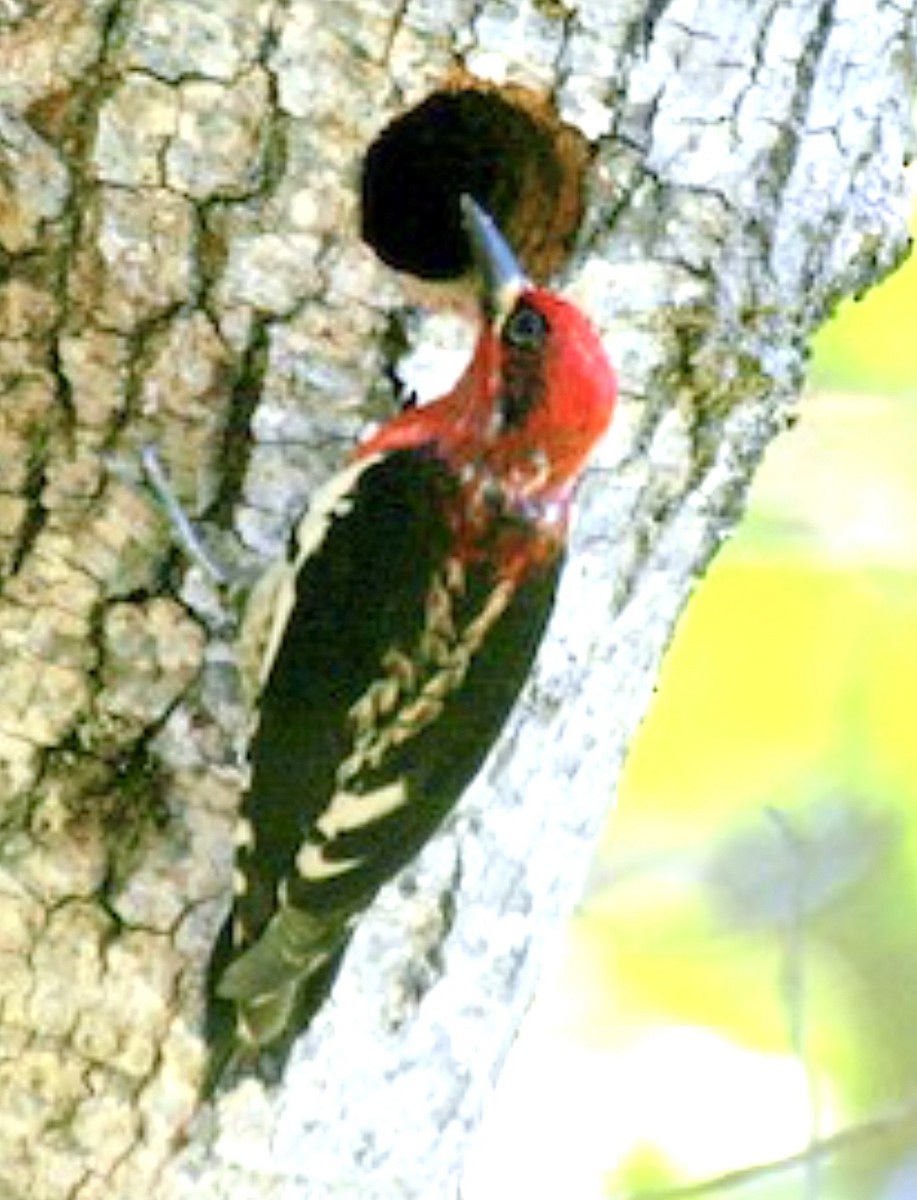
181,265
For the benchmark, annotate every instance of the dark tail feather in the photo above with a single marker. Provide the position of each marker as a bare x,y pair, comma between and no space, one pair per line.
220,1022
242,1034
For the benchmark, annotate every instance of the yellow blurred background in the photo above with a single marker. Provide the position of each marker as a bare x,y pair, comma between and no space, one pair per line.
734,1011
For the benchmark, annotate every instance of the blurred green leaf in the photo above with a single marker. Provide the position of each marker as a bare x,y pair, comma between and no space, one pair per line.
869,344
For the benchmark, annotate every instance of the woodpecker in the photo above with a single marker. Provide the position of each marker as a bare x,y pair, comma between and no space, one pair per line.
393,643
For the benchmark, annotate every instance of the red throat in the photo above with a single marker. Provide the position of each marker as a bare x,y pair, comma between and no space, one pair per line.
528,467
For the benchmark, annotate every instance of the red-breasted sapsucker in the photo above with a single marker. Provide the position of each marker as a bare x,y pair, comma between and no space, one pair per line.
403,627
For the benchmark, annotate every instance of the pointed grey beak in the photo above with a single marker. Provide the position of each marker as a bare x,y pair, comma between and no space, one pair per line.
502,278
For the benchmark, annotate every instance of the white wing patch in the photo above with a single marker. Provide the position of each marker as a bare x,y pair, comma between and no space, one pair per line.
414,685
346,812
273,597
407,697
312,864
352,810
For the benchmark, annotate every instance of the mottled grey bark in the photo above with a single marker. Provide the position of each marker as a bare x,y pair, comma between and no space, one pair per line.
179,262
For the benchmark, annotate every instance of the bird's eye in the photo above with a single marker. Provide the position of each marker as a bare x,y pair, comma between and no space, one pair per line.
526,328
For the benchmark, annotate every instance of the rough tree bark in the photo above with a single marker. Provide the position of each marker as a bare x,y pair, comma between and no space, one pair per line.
181,264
